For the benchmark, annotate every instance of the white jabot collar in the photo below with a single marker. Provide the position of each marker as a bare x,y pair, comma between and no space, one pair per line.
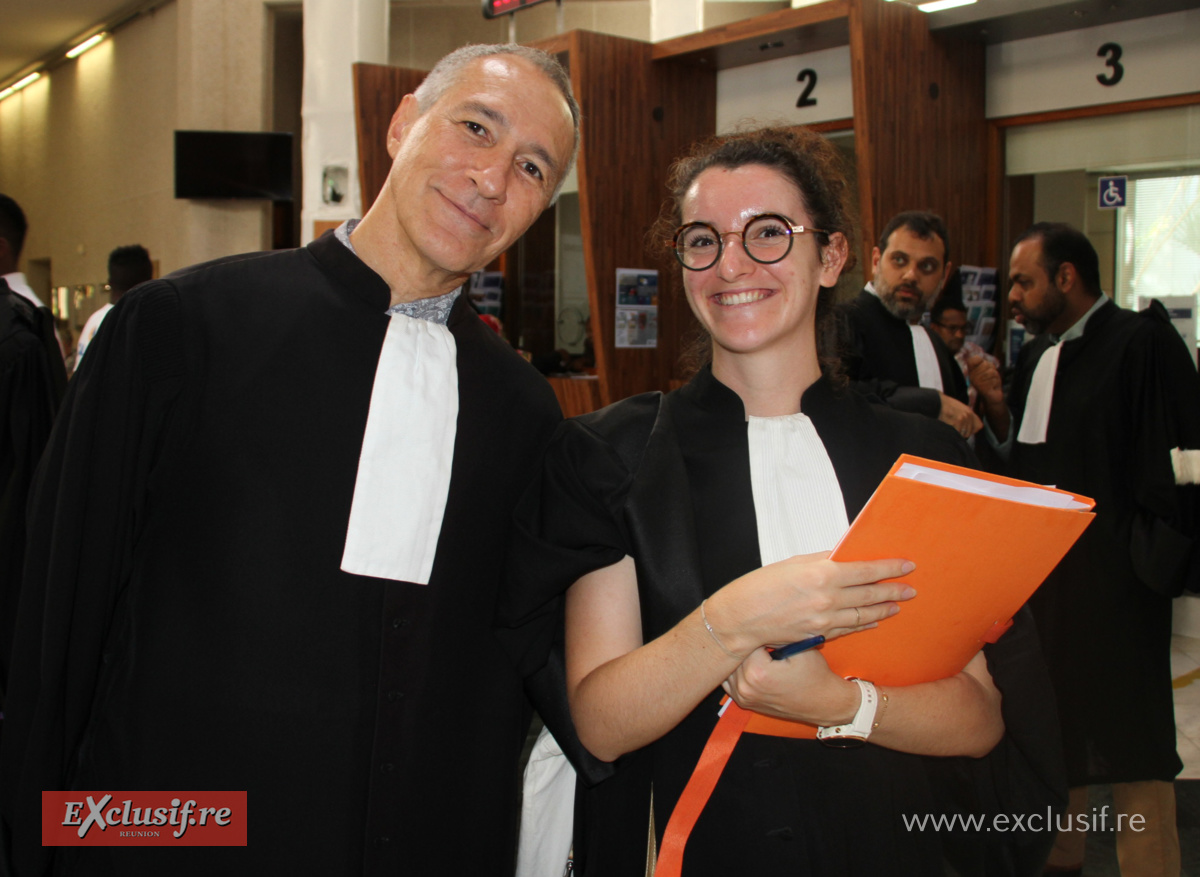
929,373
1036,419
1035,422
797,499
407,453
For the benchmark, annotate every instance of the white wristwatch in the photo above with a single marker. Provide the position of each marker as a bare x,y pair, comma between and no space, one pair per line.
859,729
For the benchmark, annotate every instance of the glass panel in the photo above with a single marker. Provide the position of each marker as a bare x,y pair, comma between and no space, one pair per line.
1159,239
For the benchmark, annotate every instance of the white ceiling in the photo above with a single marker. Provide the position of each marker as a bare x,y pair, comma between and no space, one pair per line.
37,30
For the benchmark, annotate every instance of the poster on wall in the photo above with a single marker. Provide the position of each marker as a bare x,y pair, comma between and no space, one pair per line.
979,296
637,307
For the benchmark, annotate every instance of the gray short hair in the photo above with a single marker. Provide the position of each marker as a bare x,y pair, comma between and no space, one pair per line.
447,71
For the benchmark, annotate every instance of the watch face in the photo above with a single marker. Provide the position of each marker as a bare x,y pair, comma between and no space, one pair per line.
496,8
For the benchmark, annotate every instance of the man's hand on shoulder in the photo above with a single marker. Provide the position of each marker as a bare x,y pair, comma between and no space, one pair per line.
960,416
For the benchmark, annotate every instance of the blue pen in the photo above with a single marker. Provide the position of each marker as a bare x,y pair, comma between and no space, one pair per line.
797,647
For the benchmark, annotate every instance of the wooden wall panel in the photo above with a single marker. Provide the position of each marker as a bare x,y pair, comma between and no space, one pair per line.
637,116
576,395
994,200
919,125
378,90
688,97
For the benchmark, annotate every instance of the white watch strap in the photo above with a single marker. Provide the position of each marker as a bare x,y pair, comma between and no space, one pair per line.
864,719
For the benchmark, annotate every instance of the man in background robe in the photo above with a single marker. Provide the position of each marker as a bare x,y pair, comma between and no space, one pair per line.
1106,403
267,537
32,382
948,320
13,228
885,351
127,267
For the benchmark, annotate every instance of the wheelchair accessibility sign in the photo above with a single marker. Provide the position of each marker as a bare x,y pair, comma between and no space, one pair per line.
1112,192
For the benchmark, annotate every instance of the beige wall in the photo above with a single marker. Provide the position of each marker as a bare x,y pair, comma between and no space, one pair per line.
622,18
422,32
1071,197
719,13
88,150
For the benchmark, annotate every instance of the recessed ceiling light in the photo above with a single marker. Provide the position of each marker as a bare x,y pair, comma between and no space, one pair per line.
20,83
86,44
939,5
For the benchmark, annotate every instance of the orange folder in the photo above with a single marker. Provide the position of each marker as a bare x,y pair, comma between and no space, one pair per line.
979,558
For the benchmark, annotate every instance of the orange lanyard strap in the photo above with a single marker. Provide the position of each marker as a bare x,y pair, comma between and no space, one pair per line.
699,788
733,721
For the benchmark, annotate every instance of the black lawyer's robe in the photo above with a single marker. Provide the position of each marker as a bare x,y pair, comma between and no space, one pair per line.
1125,394
666,480
32,382
185,622
877,356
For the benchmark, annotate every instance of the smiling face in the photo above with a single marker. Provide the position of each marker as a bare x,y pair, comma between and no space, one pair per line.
748,307
474,171
909,274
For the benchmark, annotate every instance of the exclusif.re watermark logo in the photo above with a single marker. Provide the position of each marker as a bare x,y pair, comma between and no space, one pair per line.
166,819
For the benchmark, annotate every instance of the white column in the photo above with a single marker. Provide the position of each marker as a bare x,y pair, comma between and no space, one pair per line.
675,18
220,83
337,33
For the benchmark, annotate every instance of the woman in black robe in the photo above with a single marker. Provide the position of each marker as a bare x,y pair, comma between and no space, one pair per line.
668,521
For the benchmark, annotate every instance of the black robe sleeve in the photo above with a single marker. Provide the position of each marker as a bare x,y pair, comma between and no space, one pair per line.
1165,399
84,519
568,523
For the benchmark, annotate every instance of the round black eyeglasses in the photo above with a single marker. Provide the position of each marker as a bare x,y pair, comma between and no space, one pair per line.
766,238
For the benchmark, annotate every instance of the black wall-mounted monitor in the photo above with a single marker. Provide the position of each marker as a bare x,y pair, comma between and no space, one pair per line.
233,164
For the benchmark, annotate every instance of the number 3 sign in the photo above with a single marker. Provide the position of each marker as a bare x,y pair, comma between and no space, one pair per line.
1112,53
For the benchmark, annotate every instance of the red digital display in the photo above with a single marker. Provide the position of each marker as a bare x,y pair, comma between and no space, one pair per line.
496,8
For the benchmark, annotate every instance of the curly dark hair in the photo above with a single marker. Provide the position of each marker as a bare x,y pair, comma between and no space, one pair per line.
812,164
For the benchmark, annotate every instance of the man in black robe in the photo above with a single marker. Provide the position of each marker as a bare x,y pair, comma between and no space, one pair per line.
884,350
267,536
1106,403
32,382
